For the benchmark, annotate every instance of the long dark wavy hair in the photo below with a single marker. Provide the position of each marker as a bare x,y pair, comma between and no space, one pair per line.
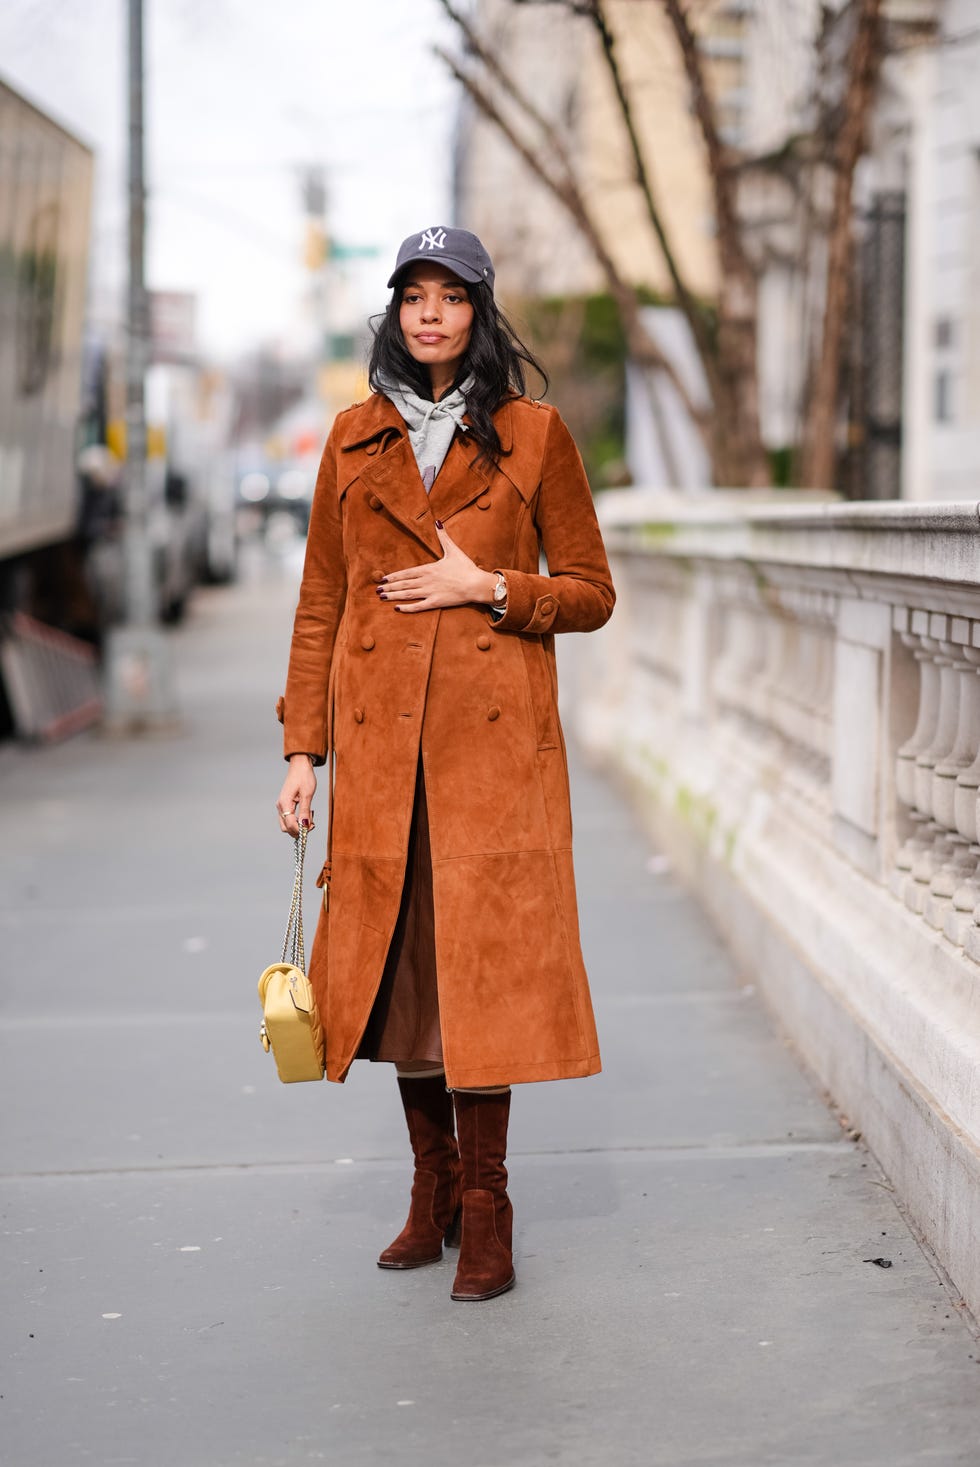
496,359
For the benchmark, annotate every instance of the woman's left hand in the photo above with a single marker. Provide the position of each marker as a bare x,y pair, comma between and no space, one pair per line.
452,581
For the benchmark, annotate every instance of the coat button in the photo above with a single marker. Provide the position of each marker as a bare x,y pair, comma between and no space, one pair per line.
483,642
358,715
484,501
493,713
367,642
280,709
547,604
374,501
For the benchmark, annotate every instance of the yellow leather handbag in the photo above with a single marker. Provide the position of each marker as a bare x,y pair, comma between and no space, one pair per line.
291,1024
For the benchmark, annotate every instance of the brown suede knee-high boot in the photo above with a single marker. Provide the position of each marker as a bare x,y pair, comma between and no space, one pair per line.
486,1263
434,1212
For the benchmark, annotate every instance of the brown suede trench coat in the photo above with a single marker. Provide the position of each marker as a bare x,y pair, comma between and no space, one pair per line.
478,696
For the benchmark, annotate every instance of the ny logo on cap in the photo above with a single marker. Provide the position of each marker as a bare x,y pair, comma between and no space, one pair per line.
433,239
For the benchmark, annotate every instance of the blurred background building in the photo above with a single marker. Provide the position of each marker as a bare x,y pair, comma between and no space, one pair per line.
777,75
553,56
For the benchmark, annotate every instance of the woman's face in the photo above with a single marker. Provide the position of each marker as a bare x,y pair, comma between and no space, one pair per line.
436,318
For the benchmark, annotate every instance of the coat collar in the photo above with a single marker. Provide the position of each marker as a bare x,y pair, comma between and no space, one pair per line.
519,424
368,422
394,477
375,431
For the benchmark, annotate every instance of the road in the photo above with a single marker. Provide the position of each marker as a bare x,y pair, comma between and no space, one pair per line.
189,1247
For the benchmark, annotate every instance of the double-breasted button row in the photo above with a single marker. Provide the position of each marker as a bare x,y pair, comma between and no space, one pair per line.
358,715
484,501
367,642
493,713
374,501
483,642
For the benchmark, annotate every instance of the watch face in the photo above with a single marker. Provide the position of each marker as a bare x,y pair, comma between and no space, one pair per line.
500,591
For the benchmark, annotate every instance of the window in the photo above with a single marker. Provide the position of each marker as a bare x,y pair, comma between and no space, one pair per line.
943,396
944,333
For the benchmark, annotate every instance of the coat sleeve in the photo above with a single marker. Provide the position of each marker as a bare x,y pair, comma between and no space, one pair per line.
577,593
303,708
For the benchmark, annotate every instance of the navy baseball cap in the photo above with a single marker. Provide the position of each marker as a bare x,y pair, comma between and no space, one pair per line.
457,248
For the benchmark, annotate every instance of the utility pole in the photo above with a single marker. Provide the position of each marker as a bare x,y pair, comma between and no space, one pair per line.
140,691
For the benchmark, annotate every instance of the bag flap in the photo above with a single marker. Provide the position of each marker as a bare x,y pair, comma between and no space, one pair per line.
282,985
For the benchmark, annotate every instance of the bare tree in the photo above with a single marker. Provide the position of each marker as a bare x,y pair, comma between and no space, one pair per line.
819,456
546,156
735,346
725,336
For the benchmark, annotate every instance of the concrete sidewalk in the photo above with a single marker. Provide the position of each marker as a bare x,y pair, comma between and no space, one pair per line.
189,1246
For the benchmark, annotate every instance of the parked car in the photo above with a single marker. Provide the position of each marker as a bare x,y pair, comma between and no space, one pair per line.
265,489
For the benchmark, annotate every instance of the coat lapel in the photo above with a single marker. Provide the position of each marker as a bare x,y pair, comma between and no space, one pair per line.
377,451
388,467
521,458
457,482
394,477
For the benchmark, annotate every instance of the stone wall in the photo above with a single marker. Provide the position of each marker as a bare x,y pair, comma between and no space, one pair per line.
793,695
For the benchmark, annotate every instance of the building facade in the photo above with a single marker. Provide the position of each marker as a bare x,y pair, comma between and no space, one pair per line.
555,59
941,165
910,423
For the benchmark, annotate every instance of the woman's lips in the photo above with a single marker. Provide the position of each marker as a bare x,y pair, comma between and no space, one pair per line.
429,338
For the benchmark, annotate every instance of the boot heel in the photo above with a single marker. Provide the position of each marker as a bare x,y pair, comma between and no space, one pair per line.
454,1233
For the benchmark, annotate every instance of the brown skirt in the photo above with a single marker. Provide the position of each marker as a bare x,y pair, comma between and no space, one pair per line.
404,1022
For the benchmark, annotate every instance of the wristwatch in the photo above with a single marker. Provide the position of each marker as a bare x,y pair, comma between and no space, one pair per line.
500,590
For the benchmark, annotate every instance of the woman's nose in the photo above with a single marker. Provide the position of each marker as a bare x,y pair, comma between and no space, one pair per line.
430,311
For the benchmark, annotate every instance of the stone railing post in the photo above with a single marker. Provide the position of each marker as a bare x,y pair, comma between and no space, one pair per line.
959,917
860,732
912,628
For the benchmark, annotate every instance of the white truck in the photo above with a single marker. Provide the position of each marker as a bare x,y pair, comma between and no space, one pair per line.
45,213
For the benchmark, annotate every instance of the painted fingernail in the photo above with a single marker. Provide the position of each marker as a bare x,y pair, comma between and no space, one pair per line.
382,580
438,524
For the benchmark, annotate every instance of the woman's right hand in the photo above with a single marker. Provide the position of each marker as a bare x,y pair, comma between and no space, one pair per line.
296,796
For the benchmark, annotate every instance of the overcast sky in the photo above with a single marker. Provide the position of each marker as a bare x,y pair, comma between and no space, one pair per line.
241,93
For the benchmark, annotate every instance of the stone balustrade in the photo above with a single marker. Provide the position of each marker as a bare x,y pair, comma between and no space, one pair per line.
793,694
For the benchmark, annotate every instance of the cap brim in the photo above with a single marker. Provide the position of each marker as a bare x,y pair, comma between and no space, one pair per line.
465,272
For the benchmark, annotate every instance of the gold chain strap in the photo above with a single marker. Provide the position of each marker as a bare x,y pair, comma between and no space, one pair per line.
293,950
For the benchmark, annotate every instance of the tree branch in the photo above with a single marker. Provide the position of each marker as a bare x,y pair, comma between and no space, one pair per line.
719,155
688,303
862,72
565,189
510,88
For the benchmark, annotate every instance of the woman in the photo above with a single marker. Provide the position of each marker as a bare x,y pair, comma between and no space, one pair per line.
423,661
